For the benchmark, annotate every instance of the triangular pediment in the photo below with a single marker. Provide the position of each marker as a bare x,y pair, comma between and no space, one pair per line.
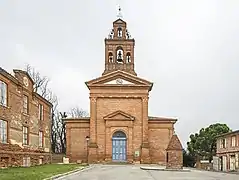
119,78
119,21
119,115
119,81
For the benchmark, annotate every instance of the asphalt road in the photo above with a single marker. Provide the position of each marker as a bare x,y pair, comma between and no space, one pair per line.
133,172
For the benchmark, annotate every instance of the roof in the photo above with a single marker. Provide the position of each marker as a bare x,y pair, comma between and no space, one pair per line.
75,120
99,82
23,72
16,81
8,75
119,20
174,143
229,133
13,78
43,99
159,119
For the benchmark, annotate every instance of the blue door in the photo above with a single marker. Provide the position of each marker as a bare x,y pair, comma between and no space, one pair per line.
119,144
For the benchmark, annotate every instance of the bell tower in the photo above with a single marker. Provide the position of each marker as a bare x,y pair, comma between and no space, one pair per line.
119,48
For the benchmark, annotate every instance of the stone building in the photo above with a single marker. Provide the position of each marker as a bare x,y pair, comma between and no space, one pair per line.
227,152
119,128
25,119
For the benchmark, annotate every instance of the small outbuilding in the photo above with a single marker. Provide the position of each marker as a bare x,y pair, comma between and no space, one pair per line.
174,154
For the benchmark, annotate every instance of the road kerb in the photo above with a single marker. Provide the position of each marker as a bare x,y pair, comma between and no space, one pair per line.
81,169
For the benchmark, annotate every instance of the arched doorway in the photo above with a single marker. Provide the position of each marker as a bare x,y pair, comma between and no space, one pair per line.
119,144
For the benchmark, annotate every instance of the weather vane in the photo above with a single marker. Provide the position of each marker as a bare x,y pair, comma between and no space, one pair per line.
119,13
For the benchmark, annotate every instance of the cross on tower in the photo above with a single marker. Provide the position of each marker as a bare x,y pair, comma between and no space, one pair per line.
120,16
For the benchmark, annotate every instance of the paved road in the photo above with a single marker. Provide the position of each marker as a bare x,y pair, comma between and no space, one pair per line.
131,172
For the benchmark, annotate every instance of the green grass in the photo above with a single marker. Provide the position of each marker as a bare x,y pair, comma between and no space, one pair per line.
36,172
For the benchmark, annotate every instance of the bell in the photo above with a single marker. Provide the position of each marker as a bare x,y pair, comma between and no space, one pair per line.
120,60
119,56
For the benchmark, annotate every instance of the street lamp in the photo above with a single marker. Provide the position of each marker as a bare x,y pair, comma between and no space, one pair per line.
87,138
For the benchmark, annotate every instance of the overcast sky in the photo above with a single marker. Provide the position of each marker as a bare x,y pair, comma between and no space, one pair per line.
189,49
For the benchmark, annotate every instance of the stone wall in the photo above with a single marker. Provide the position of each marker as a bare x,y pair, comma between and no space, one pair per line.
12,156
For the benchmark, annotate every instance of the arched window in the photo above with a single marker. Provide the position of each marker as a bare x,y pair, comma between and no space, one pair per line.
120,32
119,134
110,57
120,54
128,57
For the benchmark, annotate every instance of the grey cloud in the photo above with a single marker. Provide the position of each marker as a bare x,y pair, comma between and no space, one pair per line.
189,49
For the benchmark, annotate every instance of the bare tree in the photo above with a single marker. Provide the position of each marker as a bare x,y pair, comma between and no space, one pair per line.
41,87
40,82
58,129
58,134
76,112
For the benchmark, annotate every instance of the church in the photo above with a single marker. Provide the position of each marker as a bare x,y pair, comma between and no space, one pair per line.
119,128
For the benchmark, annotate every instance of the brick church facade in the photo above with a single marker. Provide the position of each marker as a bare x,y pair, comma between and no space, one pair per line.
119,128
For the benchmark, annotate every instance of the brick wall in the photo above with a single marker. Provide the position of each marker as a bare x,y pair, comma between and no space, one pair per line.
175,159
76,144
160,134
106,106
16,119
228,146
174,153
228,154
149,138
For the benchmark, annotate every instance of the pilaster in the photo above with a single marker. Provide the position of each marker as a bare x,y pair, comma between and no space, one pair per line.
145,158
92,147
145,118
93,119
92,154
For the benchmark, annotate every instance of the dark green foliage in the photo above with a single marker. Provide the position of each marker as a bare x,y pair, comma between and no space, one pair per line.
202,145
188,159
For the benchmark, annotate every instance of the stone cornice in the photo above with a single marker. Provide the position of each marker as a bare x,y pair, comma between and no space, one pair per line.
137,82
77,120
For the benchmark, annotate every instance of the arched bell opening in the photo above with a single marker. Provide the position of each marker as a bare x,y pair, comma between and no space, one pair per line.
120,32
119,55
128,57
110,57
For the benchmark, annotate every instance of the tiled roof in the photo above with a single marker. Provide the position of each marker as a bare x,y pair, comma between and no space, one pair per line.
174,143
229,133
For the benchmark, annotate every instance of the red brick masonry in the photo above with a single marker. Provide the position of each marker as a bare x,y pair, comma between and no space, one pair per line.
174,154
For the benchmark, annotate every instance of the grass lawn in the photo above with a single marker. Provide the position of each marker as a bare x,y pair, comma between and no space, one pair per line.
36,172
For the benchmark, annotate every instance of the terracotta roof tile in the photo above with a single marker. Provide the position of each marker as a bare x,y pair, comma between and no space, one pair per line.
174,143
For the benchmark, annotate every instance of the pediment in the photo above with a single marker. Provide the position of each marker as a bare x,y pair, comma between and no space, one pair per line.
119,78
119,21
119,81
119,115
